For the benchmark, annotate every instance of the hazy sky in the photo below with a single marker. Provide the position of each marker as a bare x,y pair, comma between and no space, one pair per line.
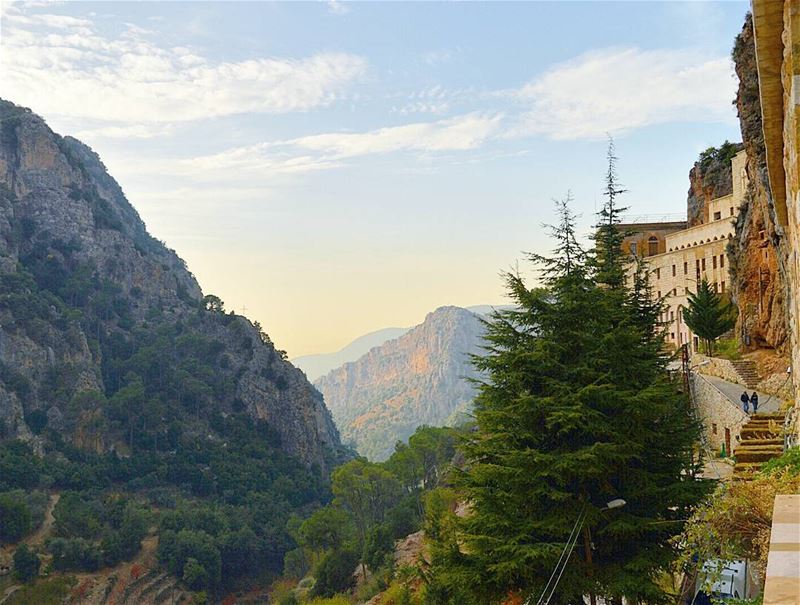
337,168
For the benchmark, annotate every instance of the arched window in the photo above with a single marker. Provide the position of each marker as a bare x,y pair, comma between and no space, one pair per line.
652,245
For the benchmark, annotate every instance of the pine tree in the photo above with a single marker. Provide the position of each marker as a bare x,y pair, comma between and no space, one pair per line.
577,410
708,315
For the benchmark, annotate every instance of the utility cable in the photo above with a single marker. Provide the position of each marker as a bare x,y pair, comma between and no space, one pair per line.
574,532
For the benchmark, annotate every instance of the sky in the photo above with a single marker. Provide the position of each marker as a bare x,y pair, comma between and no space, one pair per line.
332,168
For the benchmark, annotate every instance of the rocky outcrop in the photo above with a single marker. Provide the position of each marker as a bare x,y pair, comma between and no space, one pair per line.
316,366
709,178
759,252
421,378
83,285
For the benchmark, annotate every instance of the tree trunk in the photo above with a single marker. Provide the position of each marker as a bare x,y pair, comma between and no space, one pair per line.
587,546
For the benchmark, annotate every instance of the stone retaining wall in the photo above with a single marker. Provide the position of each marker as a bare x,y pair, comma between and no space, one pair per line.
716,366
774,384
717,413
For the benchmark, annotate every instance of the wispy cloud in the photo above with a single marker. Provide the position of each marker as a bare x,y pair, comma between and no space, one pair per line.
61,65
337,7
440,56
618,90
331,150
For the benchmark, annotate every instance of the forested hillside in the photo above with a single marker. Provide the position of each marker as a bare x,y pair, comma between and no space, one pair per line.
118,375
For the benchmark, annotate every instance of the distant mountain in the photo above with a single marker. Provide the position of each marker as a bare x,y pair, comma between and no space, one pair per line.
419,378
316,366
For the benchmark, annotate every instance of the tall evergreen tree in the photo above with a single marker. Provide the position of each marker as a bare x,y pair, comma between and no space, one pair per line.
708,315
577,410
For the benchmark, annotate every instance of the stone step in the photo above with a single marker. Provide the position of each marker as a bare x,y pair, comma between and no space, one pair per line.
758,433
752,455
759,442
745,468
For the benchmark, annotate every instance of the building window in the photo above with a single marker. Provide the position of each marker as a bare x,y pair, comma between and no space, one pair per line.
703,263
672,335
659,294
658,273
685,268
633,248
673,270
672,315
717,216
713,428
716,287
731,210
723,287
685,290
652,245
697,265
674,291
721,261
714,262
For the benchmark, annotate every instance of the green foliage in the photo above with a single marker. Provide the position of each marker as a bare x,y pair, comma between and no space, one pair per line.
15,517
334,573
75,554
195,549
727,348
45,591
367,492
708,315
26,564
578,409
719,155
788,461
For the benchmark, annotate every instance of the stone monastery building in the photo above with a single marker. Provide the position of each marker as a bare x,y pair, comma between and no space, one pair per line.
682,254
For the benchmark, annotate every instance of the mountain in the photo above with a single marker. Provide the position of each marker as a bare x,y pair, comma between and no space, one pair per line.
93,310
420,378
318,365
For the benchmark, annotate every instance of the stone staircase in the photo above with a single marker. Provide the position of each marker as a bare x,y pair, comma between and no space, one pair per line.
746,368
761,440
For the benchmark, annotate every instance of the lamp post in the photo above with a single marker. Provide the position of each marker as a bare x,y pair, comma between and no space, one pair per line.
558,571
588,546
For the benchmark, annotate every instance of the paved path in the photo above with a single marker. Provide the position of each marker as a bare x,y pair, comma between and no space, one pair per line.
766,403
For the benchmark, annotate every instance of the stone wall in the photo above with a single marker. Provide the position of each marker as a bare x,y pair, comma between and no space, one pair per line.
716,366
717,413
776,29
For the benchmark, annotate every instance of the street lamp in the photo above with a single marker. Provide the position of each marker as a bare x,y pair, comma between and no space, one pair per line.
555,577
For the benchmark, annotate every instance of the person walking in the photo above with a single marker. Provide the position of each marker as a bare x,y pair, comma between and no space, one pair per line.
754,401
745,402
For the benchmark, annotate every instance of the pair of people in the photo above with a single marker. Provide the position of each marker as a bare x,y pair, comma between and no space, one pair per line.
747,400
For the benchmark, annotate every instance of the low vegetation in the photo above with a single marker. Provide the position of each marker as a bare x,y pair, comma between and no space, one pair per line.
736,521
373,506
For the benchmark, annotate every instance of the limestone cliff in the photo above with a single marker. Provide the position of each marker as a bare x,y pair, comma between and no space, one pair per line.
419,378
759,251
105,337
709,178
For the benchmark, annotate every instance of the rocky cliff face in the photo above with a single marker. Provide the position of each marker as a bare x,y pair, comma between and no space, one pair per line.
418,379
93,309
759,253
710,178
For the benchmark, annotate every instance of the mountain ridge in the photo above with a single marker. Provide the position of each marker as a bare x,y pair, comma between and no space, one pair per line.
420,378
69,235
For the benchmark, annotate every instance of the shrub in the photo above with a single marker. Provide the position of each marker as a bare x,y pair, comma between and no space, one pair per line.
736,522
15,518
26,564
727,348
334,573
